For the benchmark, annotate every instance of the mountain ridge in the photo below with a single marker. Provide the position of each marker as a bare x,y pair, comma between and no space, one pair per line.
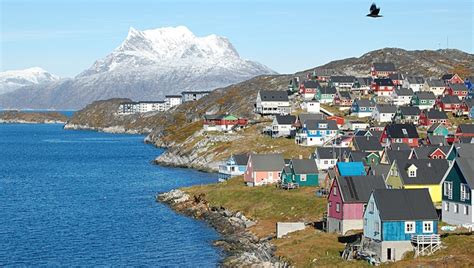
14,79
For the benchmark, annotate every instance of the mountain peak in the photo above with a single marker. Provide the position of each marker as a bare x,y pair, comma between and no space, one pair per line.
14,79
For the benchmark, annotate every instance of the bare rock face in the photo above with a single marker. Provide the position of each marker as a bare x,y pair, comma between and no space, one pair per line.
242,248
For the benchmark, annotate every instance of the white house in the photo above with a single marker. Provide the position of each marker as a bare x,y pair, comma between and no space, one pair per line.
402,96
437,86
384,113
313,106
150,106
362,108
416,83
173,100
271,102
327,157
357,125
283,125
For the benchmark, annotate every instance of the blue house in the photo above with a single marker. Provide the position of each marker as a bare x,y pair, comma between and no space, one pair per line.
397,221
346,169
316,132
362,107
235,165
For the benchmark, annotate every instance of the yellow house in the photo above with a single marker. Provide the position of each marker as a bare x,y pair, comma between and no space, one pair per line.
419,173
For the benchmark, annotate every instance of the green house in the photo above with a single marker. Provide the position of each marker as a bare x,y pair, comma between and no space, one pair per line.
438,129
302,172
325,94
423,100
367,158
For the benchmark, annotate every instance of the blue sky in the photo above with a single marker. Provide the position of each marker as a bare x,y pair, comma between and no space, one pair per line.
66,37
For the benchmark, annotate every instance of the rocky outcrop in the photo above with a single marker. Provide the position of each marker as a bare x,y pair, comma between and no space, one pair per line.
242,248
9,117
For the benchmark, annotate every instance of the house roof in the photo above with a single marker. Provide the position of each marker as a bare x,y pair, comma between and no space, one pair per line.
173,96
357,189
332,153
367,143
343,79
394,155
351,168
466,128
411,204
304,166
358,156
415,80
384,66
267,162
469,102
380,170
450,99
345,95
458,87
395,76
434,127
447,76
409,110
241,159
429,171
436,114
328,90
195,92
315,124
464,149
435,83
400,146
403,91
384,82
423,152
285,119
437,139
311,84
399,131
386,108
466,165
364,81
273,95
364,103
304,117
425,95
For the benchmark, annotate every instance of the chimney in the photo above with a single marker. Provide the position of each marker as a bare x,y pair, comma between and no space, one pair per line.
429,164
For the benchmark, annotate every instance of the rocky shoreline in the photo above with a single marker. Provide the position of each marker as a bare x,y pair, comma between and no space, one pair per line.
113,129
17,117
242,248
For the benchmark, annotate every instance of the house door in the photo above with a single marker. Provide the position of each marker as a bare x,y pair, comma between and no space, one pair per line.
270,177
390,254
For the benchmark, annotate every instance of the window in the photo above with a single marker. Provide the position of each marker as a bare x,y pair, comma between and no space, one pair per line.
330,204
371,207
464,192
466,210
365,221
427,227
456,208
338,207
377,228
410,140
303,177
325,162
410,227
448,189
334,190
412,173
446,206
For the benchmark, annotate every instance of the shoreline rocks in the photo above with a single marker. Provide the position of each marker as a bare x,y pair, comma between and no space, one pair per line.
241,247
16,117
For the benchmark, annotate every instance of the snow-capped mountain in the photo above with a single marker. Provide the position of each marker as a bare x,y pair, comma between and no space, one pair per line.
147,66
12,80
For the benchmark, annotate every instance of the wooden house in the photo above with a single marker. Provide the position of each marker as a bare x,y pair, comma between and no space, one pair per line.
283,126
300,173
430,117
458,90
437,86
402,96
308,89
407,115
327,157
392,229
342,82
326,94
423,100
451,79
362,108
438,129
235,165
223,122
416,83
347,199
449,103
400,133
382,69
382,87
397,79
384,113
263,169
464,130
316,132
271,102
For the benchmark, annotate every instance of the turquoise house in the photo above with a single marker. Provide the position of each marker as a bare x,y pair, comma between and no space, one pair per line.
351,169
395,220
302,172
438,129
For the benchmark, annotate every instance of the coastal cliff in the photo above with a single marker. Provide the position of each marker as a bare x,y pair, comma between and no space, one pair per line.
32,117
242,248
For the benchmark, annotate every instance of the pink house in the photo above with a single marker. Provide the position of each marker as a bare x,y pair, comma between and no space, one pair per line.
263,169
347,200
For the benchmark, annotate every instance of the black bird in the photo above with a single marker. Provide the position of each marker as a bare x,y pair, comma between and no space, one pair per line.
374,11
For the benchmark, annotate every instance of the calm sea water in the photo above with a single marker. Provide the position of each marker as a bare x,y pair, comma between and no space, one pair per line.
87,199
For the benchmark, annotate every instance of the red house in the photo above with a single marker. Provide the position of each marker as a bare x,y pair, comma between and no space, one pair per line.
458,90
430,117
464,131
382,86
400,133
465,107
382,69
343,98
309,88
223,122
448,103
452,79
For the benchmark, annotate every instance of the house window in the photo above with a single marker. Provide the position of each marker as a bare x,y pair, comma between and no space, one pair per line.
330,204
410,140
303,177
410,227
464,192
325,162
377,228
456,208
333,162
427,227
446,206
412,173
338,207
371,207
466,210
448,189
334,190
365,221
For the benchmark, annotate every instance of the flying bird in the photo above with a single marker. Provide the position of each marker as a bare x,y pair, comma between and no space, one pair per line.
374,11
